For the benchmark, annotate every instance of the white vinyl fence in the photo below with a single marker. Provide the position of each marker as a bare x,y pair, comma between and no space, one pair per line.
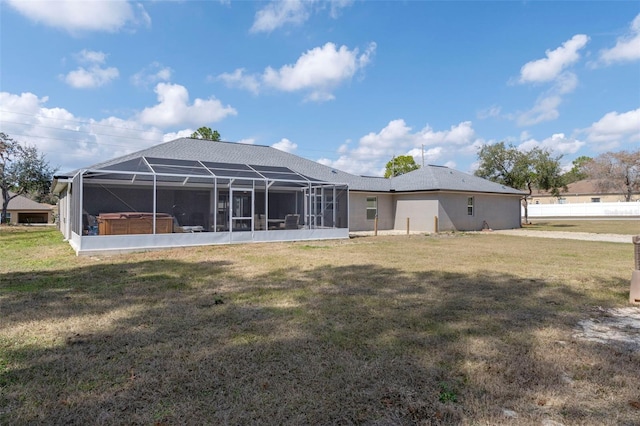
583,210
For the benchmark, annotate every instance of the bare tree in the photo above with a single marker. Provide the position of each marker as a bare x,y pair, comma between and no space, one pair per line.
618,172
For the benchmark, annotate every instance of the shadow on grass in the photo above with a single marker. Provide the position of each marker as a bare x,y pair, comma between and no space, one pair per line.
175,342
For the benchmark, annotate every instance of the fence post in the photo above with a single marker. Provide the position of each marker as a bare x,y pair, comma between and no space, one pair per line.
634,291
407,226
435,224
375,226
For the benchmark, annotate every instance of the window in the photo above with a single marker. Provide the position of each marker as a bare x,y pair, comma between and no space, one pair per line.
8,218
562,201
470,206
372,208
595,199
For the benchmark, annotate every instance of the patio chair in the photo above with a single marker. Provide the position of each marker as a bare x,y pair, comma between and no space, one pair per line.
291,221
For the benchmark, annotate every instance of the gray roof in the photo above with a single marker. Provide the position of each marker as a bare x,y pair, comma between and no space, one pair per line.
432,178
23,203
429,178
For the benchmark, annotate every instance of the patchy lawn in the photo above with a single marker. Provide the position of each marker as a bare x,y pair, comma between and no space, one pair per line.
450,329
613,226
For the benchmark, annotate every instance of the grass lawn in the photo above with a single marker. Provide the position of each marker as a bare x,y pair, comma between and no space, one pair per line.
449,329
624,227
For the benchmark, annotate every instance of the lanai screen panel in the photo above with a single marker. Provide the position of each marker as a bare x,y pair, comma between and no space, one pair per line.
195,194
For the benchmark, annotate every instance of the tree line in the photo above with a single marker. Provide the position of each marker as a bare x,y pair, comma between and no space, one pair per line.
537,168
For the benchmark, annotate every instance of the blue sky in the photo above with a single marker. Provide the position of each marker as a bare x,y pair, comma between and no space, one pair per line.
346,83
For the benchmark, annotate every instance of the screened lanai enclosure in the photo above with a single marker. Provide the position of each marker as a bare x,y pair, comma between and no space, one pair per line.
149,203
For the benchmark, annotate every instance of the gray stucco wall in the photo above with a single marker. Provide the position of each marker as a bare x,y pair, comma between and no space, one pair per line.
499,211
358,211
421,209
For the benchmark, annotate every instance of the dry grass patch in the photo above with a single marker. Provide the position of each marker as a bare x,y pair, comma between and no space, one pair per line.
387,330
614,226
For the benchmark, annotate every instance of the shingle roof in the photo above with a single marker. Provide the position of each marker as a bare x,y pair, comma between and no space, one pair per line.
428,178
23,203
581,187
433,178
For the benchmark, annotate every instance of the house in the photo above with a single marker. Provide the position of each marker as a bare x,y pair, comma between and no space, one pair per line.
582,191
191,192
22,210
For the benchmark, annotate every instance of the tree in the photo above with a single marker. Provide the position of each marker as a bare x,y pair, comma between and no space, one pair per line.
22,170
617,171
579,171
521,170
207,134
400,165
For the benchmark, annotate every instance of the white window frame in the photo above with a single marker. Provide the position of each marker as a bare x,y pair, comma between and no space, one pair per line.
470,206
374,208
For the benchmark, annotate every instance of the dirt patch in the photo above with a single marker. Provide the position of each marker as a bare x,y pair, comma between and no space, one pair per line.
612,326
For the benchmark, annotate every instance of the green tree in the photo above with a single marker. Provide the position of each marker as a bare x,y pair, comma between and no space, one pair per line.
207,134
579,171
521,170
22,170
400,165
617,171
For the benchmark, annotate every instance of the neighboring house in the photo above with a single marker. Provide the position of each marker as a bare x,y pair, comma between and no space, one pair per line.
204,192
23,210
582,191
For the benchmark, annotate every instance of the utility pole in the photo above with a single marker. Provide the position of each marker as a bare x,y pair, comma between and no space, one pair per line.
423,156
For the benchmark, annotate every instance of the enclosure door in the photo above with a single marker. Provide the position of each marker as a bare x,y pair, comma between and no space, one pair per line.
241,209
222,211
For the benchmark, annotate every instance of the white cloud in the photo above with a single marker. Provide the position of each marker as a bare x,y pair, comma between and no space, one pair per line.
76,16
550,67
627,47
318,71
545,109
558,143
431,155
279,13
285,145
185,133
493,111
239,79
615,128
337,6
69,141
348,164
93,75
151,74
248,141
565,83
173,108
374,150
90,57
